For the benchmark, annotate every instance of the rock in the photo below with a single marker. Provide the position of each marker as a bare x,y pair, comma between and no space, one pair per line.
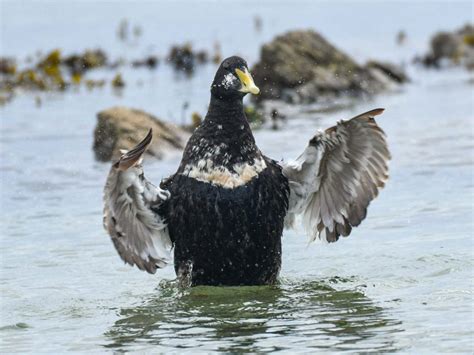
7,66
301,66
202,56
122,128
90,59
185,58
445,45
393,71
455,47
182,57
151,62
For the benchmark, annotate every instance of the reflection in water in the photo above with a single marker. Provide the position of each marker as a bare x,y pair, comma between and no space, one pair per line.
309,314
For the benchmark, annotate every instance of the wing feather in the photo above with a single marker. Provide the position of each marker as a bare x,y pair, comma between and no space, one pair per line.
139,234
340,172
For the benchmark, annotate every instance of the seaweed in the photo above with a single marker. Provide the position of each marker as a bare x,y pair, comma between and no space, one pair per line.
117,81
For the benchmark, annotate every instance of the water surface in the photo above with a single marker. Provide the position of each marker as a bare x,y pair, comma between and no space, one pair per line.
403,280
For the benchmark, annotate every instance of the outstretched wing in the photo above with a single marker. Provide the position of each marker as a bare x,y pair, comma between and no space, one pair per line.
336,177
138,233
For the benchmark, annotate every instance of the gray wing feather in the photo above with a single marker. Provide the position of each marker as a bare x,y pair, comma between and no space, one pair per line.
336,177
138,233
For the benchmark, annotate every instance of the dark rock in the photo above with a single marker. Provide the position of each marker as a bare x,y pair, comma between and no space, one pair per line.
78,63
150,62
183,57
428,61
393,71
7,66
301,66
451,48
122,128
202,57
445,45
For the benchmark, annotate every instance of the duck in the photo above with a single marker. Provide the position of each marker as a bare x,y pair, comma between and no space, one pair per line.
220,217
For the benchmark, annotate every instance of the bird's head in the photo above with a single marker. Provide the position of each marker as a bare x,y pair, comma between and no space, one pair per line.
233,80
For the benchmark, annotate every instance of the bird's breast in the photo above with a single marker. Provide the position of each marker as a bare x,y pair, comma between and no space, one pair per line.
227,176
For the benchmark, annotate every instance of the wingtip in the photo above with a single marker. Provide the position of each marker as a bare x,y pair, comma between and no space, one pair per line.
146,141
134,156
370,114
377,111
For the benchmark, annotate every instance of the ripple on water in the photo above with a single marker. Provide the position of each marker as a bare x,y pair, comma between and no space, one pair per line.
16,326
314,314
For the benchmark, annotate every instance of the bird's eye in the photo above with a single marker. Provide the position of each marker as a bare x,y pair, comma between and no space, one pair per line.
226,65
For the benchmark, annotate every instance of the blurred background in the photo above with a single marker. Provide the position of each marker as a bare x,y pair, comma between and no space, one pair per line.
402,282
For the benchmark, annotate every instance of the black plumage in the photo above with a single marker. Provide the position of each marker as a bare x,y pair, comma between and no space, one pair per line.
226,235
224,209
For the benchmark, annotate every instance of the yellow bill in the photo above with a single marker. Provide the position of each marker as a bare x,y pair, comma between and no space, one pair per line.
247,82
